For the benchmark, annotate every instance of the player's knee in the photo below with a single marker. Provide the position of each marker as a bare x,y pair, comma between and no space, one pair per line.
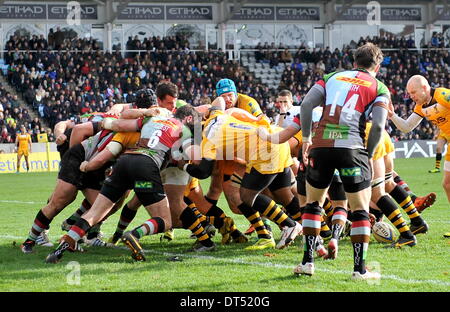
247,196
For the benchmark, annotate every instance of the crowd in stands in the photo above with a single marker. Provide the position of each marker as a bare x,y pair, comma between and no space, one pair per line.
80,78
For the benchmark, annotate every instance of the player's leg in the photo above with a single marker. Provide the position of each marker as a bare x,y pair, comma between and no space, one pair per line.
175,181
127,215
254,182
19,157
318,179
418,224
357,185
440,142
27,161
422,202
157,206
385,203
128,169
64,194
338,217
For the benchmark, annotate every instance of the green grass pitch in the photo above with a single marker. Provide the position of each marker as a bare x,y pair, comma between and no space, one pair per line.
422,268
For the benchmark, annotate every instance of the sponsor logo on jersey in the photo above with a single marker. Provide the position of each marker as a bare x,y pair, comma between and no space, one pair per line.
239,126
336,132
350,172
355,81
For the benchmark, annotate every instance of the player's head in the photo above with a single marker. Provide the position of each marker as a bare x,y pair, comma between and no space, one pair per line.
187,114
369,57
145,98
418,89
226,89
167,95
284,100
23,129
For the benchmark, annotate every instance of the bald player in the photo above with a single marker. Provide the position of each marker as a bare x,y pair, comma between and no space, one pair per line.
431,104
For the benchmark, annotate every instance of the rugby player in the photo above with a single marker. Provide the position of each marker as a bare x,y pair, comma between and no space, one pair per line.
432,104
23,142
349,97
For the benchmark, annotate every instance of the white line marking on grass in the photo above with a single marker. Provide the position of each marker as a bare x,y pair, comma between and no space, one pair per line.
266,264
18,202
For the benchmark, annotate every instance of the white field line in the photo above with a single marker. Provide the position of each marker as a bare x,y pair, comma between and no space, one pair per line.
20,202
268,264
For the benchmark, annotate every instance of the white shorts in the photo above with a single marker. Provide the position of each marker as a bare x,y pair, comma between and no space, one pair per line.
175,176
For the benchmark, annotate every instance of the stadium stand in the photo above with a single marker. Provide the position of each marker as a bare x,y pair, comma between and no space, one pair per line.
80,78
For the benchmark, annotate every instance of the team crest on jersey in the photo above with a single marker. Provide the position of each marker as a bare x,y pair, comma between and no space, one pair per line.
355,81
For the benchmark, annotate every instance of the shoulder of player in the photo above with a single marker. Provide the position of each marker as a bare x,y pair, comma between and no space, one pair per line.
245,99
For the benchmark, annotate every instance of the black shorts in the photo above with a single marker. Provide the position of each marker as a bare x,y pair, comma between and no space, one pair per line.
336,190
70,166
352,164
94,179
137,172
257,181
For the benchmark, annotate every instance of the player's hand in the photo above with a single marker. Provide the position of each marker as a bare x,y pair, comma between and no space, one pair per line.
61,139
152,112
305,152
115,111
83,166
219,102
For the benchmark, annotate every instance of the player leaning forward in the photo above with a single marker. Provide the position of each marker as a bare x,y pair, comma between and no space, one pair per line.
432,104
338,143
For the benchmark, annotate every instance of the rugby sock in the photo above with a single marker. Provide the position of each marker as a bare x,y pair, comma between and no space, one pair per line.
360,236
338,222
405,186
216,216
149,227
204,220
390,210
85,206
94,231
211,201
192,223
405,201
78,230
377,213
293,209
311,230
272,211
254,218
324,229
126,217
438,160
41,223
328,208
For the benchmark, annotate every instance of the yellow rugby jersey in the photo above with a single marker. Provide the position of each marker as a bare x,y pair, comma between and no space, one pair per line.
228,138
384,147
438,110
248,104
127,139
23,141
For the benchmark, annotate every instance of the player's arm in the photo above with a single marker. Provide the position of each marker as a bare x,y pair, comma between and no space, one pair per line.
278,137
406,125
82,131
122,125
59,130
201,170
140,113
314,98
111,151
29,143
